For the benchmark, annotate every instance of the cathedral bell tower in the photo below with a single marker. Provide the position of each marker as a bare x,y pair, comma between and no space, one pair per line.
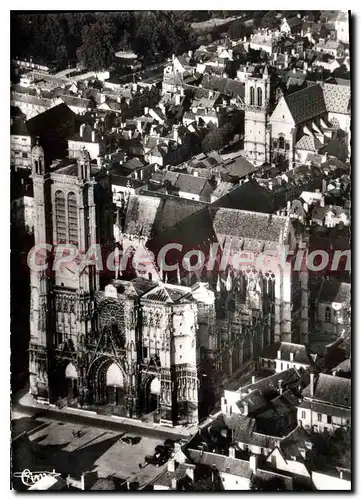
40,278
257,95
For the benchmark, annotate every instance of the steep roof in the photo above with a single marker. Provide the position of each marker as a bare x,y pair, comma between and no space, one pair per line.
150,215
334,291
306,103
248,225
337,98
330,390
289,378
299,351
248,196
308,143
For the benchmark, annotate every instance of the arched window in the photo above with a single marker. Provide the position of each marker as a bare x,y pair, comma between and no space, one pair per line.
72,219
60,219
328,314
36,166
259,96
251,96
281,142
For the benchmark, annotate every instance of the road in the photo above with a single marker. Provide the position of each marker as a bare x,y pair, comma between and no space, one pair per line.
93,421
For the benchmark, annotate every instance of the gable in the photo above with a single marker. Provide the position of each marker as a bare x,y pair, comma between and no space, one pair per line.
282,114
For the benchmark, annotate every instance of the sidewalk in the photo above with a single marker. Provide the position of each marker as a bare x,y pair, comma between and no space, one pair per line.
27,401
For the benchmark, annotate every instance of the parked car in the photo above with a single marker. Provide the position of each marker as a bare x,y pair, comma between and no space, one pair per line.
157,459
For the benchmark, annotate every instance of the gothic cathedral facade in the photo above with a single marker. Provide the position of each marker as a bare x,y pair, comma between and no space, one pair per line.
127,348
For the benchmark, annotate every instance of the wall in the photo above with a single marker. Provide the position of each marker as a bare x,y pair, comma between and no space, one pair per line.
228,402
285,364
291,466
329,483
231,482
309,419
20,151
94,148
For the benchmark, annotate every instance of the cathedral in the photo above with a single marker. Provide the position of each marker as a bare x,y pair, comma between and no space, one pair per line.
150,343
128,348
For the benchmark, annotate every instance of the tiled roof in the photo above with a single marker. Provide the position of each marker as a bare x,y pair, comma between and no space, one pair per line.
248,196
334,291
337,98
254,400
330,390
308,143
150,215
166,293
289,378
191,184
294,21
222,463
344,367
299,351
224,85
248,225
306,103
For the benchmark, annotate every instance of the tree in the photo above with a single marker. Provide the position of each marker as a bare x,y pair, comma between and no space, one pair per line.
214,140
97,49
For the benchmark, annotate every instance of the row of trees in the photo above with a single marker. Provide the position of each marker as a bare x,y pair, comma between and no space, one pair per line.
93,37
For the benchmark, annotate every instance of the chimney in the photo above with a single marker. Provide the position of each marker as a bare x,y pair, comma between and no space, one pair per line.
146,110
174,483
232,452
291,356
253,379
171,465
190,53
280,390
312,383
341,474
253,464
245,409
294,71
322,201
93,136
175,134
279,354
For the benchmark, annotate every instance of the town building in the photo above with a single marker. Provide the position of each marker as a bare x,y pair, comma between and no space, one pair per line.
326,403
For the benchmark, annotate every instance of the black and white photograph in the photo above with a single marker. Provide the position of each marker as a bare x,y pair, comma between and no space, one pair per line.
180,265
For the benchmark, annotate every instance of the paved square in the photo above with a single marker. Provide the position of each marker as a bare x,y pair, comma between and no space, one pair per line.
95,449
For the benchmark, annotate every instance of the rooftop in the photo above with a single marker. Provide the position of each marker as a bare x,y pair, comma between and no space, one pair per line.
330,390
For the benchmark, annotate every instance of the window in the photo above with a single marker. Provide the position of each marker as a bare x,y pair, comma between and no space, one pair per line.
60,221
145,352
303,415
73,218
259,97
328,314
25,155
281,366
329,419
319,417
281,142
251,96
